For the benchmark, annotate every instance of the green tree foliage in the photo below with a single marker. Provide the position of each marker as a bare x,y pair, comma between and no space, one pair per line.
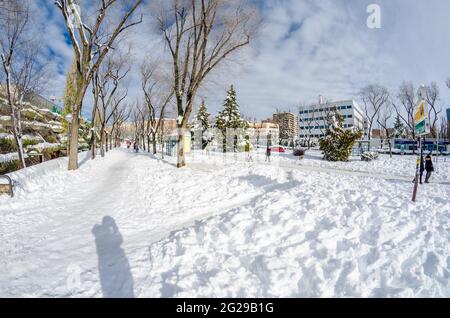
338,143
230,116
70,93
70,90
202,118
399,127
201,123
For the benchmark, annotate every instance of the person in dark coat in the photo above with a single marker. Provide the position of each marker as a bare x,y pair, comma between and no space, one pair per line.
428,167
268,153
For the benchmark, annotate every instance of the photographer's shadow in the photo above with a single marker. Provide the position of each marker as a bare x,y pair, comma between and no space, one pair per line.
114,269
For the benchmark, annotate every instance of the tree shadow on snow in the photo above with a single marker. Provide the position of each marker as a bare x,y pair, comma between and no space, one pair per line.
113,266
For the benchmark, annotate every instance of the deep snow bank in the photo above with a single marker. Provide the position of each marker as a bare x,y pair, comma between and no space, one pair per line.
129,224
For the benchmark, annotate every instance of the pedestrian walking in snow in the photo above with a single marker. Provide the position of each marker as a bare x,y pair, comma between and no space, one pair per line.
429,168
136,147
268,153
247,151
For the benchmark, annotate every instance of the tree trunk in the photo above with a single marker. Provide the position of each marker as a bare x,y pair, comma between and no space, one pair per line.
106,142
15,118
93,136
17,132
181,161
19,145
75,125
162,136
390,147
369,136
93,144
73,149
143,142
154,142
102,142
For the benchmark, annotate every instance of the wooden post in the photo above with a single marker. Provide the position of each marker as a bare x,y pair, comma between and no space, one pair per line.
416,181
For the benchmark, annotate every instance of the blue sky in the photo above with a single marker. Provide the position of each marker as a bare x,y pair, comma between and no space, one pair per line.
305,48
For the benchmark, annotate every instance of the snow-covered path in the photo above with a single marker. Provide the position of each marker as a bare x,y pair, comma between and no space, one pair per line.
49,236
131,225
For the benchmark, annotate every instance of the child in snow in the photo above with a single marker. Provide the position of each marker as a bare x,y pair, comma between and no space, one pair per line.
428,167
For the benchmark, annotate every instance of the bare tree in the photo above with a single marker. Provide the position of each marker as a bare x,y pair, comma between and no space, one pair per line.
200,34
408,100
106,99
374,97
307,124
444,129
384,118
91,46
22,72
432,97
157,96
139,119
120,115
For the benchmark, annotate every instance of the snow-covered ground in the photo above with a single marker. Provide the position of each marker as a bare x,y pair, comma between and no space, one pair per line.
132,225
402,166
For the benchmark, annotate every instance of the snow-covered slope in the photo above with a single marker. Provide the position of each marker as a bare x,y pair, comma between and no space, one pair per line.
44,132
131,225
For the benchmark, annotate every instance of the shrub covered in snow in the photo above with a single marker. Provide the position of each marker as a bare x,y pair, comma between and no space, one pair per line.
338,143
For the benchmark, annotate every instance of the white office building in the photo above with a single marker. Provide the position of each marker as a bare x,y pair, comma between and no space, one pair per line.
313,118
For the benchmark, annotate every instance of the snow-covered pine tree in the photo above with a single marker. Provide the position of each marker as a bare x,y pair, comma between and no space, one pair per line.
201,123
399,128
202,117
338,143
230,116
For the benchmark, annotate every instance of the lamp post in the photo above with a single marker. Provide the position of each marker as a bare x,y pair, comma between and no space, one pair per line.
69,119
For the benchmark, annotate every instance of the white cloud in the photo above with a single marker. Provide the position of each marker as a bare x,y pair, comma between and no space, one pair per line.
306,48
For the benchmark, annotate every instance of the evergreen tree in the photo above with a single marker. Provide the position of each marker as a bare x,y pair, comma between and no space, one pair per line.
202,118
230,116
399,128
338,143
201,123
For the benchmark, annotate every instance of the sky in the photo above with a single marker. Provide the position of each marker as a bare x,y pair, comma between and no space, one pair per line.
305,48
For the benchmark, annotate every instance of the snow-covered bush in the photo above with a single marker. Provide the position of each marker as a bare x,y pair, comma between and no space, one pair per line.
338,143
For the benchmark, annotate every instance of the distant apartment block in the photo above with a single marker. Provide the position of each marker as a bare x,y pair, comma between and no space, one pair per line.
313,118
288,125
